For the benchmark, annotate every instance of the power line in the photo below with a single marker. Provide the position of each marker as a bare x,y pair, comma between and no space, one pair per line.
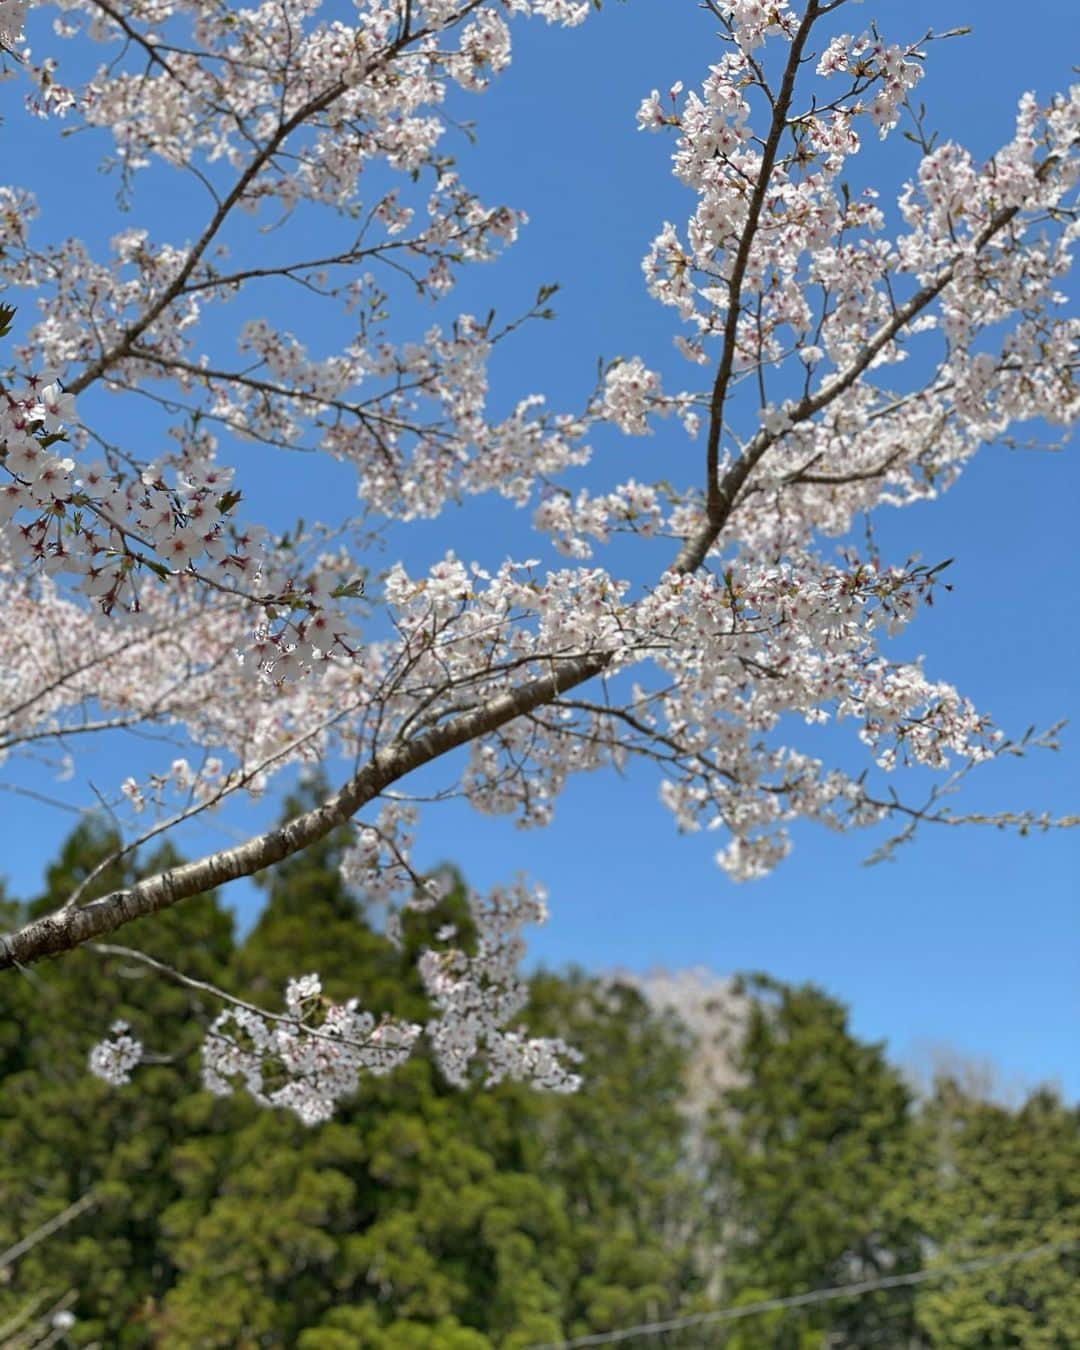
814,1296
47,1229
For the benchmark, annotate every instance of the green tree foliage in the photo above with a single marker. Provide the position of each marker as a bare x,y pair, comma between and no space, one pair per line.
422,1216
808,1160
990,1180
521,1216
425,1217
64,1134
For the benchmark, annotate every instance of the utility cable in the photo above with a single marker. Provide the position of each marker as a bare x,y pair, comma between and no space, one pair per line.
814,1296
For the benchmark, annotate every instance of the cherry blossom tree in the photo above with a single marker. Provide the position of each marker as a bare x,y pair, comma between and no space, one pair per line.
137,595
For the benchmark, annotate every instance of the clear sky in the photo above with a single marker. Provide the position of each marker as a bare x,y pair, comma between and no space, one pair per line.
971,938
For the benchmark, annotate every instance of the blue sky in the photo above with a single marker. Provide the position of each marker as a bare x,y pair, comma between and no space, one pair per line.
971,938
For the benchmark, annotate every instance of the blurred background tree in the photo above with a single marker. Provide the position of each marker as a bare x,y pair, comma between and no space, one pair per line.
993,1178
808,1171
64,1134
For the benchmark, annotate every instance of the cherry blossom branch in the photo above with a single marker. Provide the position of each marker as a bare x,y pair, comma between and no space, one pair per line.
717,502
696,548
214,991
780,631
96,369
234,781
65,930
1023,821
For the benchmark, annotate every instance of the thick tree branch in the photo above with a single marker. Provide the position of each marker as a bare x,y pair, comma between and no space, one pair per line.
63,931
72,925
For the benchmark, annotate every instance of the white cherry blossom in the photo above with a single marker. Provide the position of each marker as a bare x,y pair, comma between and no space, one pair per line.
139,596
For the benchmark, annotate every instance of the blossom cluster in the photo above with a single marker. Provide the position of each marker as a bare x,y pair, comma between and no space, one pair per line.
309,1058
477,994
350,97
316,1052
198,783
378,865
101,530
805,211
113,1060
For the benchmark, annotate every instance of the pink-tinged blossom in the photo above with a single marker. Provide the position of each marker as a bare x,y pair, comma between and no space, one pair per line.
628,390
57,407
